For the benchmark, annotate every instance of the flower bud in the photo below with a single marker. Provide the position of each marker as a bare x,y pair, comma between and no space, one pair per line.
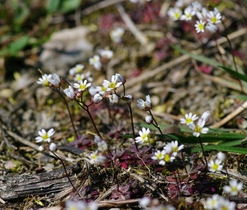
53,147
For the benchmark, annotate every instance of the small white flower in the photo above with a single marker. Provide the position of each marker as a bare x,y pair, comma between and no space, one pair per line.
95,61
96,158
53,147
205,116
198,128
234,187
120,78
79,77
54,79
41,148
213,203
113,84
80,205
45,136
102,146
144,136
167,158
196,6
148,119
82,86
226,204
43,80
97,98
202,15
107,54
211,27
188,13
116,34
176,148
76,70
214,16
200,26
215,165
189,119
159,155
144,105
221,156
144,202
174,13
69,92
113,98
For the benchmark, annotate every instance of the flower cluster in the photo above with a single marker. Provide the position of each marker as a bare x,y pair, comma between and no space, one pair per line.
116,34
199,127
45,136
205,20
108,89
168,154
52,80
219,202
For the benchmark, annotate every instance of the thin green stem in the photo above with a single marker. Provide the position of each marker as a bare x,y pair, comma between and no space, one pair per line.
203,152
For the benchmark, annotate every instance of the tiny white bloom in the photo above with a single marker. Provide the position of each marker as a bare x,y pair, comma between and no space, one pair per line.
176,148
205,116
148,119
145,105
174,13
106,54
102,146
45,136
53,147
113,84
76,70
113,98
159,155
189,119
221,156
54,79
211,27
226,204
95,61
215,165
96,158
188,13
212,203
116,34
97,98
234,187
79,77
200,26
82,86
43,80
214,17
144,202
198,128
196,6
144,136
70,93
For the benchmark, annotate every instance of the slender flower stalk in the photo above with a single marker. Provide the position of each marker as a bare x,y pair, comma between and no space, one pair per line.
66,172
132,125
155,123
70,115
